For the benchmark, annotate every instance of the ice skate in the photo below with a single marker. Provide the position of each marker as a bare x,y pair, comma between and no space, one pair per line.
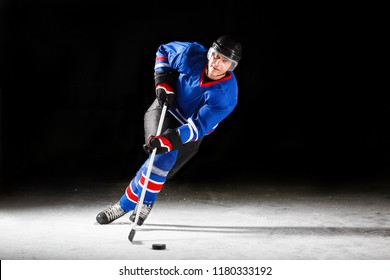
143,214
110,214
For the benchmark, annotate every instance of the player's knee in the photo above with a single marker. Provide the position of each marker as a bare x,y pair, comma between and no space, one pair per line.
165,161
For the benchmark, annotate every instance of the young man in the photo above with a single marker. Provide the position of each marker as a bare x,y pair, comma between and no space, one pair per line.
200,90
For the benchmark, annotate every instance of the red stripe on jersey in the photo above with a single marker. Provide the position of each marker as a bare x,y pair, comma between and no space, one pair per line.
152,186
159,58
132,196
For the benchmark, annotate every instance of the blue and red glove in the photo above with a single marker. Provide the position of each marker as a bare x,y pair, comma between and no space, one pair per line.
168,141
165,83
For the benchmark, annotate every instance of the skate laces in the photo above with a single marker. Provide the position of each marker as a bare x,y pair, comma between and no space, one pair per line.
144,212
115,211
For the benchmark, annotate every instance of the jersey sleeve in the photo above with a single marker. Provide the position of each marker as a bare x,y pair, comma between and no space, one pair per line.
169,56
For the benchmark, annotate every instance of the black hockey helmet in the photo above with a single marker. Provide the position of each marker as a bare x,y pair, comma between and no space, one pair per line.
229,48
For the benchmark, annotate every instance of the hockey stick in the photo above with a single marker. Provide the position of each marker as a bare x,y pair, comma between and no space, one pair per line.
150,165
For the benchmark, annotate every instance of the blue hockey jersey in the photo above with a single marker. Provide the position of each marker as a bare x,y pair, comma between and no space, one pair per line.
200,104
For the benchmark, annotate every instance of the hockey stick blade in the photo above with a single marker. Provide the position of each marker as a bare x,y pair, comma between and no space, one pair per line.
131,235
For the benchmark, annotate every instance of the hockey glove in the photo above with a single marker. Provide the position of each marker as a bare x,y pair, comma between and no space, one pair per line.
165,82
164,93
168,141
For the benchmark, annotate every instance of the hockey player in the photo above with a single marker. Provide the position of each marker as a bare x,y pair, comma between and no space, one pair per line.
200,89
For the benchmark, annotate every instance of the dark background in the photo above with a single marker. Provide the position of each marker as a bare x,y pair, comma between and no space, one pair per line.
77,76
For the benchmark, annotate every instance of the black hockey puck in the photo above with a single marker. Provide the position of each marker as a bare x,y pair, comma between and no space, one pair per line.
159,246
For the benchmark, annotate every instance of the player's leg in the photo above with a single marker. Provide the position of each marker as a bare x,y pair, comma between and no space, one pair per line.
129,199
161,166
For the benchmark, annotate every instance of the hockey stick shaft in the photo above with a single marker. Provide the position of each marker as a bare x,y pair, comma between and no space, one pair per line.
148,172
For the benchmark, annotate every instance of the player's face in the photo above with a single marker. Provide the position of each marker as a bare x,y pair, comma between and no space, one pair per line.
217,66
